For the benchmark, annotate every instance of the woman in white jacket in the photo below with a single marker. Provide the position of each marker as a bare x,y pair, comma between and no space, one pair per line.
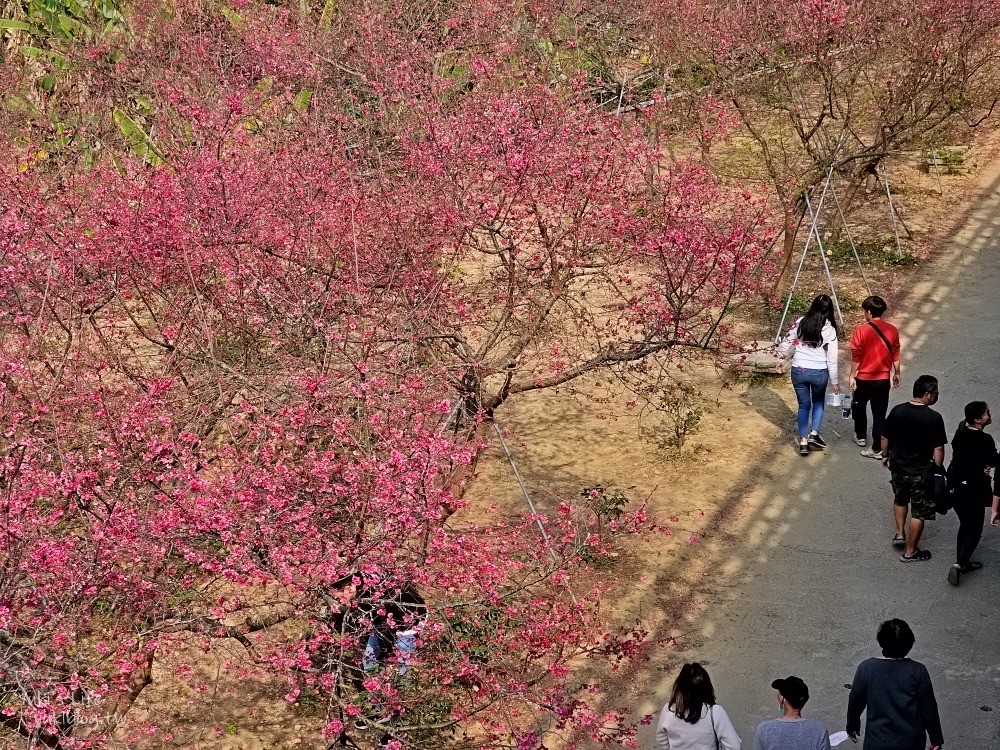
812,342
691,719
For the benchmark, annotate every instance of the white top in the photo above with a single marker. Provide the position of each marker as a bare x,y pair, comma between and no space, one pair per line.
673,733
823,357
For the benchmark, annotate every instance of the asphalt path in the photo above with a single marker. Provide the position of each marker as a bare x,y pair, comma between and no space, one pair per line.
818,573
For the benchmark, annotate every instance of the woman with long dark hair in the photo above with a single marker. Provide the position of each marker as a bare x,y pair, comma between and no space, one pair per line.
812,343
691,719
973,454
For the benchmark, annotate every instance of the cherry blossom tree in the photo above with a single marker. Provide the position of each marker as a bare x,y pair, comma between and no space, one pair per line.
257,263
835,83
186,457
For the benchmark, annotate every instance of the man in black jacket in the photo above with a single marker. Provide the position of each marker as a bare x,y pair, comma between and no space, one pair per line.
898,695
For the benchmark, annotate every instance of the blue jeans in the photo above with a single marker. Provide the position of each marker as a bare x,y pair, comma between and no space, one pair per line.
406,647
810,390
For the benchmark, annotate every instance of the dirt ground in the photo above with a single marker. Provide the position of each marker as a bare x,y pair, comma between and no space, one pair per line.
587,433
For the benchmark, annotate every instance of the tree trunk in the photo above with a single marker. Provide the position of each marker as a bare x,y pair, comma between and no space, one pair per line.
845,206
793,220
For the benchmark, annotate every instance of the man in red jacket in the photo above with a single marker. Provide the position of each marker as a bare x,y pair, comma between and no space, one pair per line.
874,359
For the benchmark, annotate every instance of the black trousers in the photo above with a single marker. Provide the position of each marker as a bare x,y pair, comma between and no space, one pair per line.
875,392
970,507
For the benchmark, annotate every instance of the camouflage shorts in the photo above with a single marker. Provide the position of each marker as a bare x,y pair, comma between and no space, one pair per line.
913,491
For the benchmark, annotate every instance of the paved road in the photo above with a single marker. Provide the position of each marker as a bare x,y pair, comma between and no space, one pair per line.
820,574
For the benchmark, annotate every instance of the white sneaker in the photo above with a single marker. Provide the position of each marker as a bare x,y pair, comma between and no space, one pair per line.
869,453
861,441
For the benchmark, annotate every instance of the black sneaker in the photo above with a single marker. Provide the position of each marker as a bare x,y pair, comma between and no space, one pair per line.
817,441
803,449
971,566
361,725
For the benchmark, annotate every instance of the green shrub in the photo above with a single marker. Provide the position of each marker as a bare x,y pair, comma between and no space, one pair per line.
877,252
798,305
606,505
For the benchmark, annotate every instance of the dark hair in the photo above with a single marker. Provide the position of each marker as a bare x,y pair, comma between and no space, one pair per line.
692,691
820,313
794,690
925,384
895,638
974,410
875,305
343,581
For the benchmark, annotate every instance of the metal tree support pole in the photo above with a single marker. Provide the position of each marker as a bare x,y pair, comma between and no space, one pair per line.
892,211
805,250
813,232
795,281
826,266
527,498
850,239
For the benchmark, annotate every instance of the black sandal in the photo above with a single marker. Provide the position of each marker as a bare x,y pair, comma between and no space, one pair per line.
919,556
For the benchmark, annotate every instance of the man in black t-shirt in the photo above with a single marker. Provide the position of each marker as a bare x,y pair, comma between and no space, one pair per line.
913,437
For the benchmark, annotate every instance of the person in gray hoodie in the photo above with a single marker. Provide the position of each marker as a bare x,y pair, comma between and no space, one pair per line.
897,694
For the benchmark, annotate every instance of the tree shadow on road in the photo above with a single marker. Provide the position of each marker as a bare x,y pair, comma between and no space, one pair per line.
763,398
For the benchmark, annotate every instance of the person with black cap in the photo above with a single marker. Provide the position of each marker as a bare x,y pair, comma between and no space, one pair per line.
791,731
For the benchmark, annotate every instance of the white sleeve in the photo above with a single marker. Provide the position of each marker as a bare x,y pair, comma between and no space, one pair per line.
832,356
787,345
728,737
662,741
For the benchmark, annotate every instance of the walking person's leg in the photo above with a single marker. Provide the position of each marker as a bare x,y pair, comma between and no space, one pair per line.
970,530
900,506
921,510
377,648
369,660
406,647
859,408
970,512
899,515
373,652
817,393
804,398
913,532
880,405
